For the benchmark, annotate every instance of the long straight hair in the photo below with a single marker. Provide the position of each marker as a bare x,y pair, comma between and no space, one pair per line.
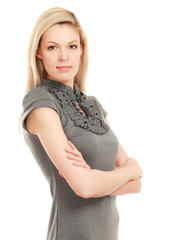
36,70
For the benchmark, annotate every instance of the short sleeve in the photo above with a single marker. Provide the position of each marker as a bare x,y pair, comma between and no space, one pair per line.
36,97
98,106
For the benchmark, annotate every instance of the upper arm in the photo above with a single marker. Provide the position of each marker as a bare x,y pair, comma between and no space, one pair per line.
45,123
122,156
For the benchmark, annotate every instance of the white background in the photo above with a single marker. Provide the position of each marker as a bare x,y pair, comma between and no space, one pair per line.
132,70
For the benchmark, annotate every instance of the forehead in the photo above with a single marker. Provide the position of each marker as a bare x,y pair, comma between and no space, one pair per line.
61,33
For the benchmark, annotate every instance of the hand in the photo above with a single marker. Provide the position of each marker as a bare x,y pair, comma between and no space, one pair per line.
75,156
133,168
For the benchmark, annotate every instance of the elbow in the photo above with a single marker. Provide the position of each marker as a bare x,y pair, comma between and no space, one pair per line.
139,187
84,191
85,195
82,188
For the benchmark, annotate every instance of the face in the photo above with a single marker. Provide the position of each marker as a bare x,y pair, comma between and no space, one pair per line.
60,51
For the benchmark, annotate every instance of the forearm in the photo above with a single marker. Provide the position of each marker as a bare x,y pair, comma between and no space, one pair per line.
97,183
129,187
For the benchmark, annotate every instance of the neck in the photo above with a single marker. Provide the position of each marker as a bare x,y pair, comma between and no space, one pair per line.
69,83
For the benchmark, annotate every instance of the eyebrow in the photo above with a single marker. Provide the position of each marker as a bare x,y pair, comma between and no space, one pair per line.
58,44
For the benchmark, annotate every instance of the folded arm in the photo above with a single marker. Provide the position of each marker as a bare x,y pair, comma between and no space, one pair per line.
45,123
132,186
129,187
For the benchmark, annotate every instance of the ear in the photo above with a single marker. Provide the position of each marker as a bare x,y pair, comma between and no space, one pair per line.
38,53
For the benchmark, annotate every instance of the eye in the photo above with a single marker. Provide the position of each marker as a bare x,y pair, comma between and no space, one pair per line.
52,48
73,46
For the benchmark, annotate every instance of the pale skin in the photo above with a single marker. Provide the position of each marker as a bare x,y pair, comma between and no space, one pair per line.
64,49
133,186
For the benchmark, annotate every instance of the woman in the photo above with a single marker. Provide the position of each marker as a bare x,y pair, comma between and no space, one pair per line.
70,137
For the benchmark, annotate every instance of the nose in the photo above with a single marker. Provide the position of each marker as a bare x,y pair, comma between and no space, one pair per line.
63,55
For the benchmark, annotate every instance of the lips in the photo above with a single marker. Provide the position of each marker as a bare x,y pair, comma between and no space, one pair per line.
64,68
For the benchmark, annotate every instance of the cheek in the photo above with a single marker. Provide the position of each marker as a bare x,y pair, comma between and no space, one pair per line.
48,61
77,59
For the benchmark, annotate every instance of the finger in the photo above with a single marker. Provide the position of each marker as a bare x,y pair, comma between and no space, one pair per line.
75,152
71,145
80,164
76,158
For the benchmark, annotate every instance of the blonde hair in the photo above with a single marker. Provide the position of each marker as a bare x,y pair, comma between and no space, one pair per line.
36,70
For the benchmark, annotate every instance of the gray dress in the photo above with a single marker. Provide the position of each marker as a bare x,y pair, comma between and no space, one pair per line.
73,217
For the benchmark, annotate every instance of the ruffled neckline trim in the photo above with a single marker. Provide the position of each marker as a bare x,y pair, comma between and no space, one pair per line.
68,99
